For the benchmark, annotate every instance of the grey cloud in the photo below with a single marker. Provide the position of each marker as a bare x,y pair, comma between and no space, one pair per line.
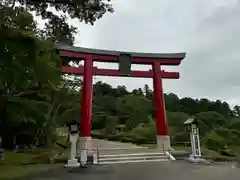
208,30
215,54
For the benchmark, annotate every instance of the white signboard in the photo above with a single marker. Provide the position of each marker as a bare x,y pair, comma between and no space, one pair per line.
195,141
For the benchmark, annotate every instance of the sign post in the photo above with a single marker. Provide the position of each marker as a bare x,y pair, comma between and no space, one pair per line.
195,141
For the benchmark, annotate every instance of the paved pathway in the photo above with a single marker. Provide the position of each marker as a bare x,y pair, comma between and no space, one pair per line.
111,147
111,144
172,170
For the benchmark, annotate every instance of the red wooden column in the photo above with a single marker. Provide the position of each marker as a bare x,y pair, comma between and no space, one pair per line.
86,106
163,140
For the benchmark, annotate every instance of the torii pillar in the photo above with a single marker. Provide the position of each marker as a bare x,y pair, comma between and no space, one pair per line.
86,108
163,139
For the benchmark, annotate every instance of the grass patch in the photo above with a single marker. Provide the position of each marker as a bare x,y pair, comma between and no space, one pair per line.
15,172
35,157
13,158
180,148
215,156
31,162
154,146
23,165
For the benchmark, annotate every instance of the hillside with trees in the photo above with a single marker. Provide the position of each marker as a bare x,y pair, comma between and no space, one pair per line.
35,99
133,114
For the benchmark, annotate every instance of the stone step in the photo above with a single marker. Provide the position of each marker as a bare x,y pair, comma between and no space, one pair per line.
114,151
132,158
132,155
133,161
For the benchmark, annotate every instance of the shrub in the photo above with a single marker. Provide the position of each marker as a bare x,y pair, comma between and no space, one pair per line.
98,135
214,142
144,133
227,152
126,139
231,136
140,140
181,137
210,120
61,159
114,137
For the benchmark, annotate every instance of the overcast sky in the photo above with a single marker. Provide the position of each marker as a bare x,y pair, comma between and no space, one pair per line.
208,30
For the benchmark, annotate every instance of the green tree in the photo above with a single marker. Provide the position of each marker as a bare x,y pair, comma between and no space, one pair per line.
145,132
236,110
188,105
32,93
172,102
28,70
176,121
57,27
208,121
133,110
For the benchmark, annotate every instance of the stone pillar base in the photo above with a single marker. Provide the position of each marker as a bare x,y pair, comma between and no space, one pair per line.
72,163
163,143
85,143
197,160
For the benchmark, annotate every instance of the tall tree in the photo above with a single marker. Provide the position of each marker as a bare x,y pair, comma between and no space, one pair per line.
56,13
29,68
236,110
133,110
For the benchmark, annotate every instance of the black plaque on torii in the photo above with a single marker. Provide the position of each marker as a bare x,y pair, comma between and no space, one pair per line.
125,64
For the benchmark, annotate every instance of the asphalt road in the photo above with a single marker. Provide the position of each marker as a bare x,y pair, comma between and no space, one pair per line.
171,170
174,170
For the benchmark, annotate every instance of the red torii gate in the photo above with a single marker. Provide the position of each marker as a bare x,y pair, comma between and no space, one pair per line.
88,70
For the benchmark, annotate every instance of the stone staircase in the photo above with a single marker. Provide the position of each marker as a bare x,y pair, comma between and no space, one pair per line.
130,156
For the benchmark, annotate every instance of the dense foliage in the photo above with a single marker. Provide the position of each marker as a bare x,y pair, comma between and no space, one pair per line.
133,114
34,97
